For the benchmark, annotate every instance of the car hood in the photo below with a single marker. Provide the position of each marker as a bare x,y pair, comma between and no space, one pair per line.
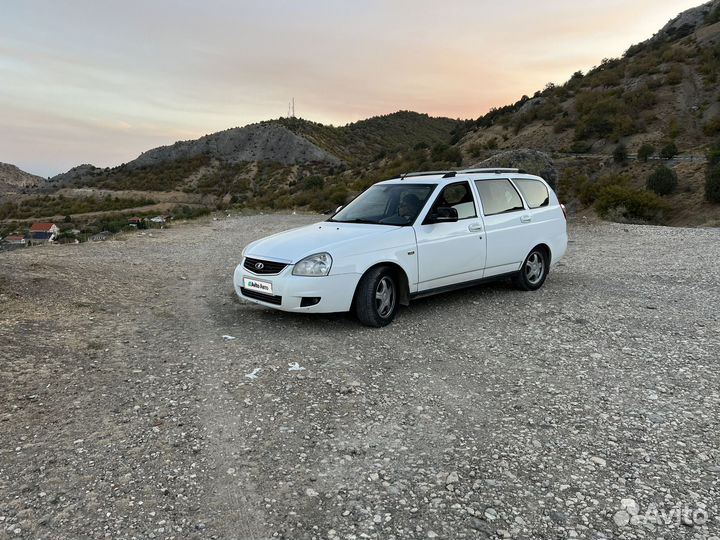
293,245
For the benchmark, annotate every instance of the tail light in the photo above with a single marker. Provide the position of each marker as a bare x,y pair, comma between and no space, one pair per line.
564,211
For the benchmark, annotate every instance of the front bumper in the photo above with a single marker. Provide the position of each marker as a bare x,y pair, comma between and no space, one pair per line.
335,291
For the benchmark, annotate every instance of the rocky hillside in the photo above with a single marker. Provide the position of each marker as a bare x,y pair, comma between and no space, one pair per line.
266,141
14,180
659,102
662,90
75,174
364,141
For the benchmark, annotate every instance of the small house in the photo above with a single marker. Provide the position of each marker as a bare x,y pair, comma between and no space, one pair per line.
15,239
43,233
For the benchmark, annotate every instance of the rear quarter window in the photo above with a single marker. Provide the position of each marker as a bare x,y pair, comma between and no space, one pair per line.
534,192
498,196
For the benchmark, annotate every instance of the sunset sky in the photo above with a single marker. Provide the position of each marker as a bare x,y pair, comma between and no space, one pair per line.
94,81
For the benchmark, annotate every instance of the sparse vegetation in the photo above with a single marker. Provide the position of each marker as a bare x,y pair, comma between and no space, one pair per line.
611,113
161,177
674,75
58,205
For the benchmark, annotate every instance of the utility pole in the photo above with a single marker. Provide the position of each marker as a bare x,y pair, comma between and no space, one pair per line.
293,107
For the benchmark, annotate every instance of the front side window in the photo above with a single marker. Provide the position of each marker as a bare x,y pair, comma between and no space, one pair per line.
498,196
457,196
388,204
535,192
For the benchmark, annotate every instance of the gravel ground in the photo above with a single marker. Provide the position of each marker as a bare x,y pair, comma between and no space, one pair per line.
588,409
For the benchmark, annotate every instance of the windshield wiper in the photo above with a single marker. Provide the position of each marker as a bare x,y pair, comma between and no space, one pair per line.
356,220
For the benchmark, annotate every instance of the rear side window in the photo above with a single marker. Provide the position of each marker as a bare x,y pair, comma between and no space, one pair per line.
535,192
498,196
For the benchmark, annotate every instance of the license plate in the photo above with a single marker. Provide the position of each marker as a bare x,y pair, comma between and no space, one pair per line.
258,286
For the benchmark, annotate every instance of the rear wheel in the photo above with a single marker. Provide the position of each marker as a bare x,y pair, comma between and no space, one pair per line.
376,298
533,271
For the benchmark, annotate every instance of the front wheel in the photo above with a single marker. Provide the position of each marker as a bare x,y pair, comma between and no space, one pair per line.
533,271
376,299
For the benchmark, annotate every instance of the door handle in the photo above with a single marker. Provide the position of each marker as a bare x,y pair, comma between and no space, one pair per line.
475,227
526,219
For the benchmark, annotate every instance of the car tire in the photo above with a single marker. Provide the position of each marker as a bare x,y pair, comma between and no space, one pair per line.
533,271
376,298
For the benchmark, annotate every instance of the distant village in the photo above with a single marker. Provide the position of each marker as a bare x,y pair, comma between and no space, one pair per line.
54,233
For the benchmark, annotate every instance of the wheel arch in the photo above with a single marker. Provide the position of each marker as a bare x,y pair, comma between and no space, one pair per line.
546,249
400,275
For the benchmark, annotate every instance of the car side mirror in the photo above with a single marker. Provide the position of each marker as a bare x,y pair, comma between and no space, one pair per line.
444,214
338,208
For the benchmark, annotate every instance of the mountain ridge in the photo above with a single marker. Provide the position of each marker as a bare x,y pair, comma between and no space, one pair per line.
662,94
13,179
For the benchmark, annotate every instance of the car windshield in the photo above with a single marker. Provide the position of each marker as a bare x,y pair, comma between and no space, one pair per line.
386,204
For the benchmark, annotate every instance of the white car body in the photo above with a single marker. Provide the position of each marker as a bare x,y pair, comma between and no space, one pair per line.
433,257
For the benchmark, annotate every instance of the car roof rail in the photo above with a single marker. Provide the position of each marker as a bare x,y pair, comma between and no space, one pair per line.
496,170
423,173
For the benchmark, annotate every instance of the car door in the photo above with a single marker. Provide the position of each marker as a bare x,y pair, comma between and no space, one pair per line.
507,222
451,252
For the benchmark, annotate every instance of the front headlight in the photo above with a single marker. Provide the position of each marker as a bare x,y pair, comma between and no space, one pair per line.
314,265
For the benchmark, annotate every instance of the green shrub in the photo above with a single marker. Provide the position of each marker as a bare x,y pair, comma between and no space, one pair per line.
570,183
712,174
641,99
662,181
589,191
580,147
669,151
712,184
712,126
563,123
313,183
673,129
443,153
620,154
713,156
623,203
491,144
674,75
645,152
475,149
713,16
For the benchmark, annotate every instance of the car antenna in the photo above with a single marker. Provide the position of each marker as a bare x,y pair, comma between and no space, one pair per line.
450,174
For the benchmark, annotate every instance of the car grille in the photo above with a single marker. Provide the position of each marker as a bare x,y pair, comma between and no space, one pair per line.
277,300
269,267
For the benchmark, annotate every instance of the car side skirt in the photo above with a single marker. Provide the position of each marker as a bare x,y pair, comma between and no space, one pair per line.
463,285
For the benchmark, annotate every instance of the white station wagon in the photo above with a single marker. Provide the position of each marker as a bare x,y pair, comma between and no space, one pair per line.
417,235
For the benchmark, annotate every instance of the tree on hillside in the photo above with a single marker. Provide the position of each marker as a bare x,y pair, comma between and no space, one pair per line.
669,151
712,174
645,152
620,154
663,181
